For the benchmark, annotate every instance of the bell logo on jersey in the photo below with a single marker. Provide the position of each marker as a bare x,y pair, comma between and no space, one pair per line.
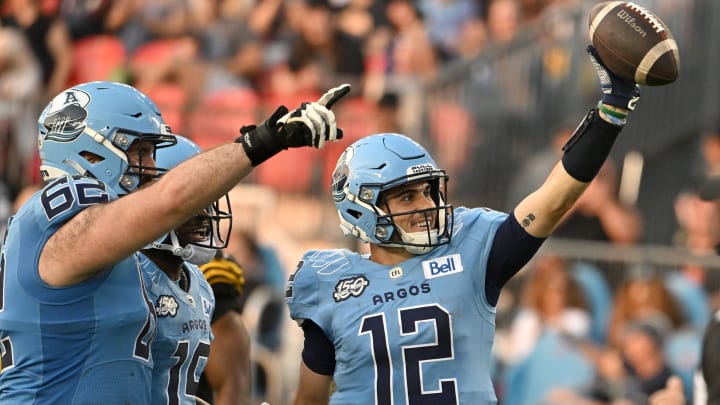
350,287
166,306
442,266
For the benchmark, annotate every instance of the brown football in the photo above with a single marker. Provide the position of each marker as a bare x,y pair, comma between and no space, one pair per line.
634,43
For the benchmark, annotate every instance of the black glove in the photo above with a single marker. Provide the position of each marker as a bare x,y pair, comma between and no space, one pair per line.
312,124
617,92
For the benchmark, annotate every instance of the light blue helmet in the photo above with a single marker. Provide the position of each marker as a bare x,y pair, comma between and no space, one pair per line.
104,119
212,228
375,164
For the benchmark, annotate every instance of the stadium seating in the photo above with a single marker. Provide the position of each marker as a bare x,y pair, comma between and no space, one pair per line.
97,57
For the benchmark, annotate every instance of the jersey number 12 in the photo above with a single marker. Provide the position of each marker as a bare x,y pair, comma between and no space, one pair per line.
413,355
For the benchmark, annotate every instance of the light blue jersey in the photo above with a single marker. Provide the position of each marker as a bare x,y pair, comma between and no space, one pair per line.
89,343
184,334
416,333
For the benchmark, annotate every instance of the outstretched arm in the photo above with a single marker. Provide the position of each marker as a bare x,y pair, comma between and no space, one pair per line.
106,233
584,154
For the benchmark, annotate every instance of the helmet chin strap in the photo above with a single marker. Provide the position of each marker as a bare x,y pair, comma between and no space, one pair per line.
194,254
198,255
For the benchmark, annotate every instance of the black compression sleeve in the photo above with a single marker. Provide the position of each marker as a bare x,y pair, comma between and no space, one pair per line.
318,352
589,146
512,248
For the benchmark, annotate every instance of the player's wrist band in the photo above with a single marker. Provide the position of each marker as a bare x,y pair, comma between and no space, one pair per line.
589,146
613,116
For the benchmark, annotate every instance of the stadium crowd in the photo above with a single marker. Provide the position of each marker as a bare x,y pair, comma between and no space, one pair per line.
567,328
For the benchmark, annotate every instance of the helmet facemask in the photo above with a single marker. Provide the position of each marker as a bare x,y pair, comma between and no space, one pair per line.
140,173
376,165
437,232
199,238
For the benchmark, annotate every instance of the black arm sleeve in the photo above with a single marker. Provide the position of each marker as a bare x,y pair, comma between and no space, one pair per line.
318,352
512,248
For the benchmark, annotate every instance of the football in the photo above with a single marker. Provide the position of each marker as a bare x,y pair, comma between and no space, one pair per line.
634,43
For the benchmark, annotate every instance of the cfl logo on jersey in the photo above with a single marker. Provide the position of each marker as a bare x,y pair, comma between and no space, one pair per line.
442,266
166,306
350,287
207,307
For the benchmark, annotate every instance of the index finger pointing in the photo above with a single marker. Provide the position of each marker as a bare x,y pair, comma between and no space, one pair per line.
334,94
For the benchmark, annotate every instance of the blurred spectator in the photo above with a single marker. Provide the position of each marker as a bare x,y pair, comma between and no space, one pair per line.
260,263
698,233
707,380
642,349
472,39
20,84
9,206
641,295
49,40
551,300
504,20
387,113
411,54
530,174
612,384
88,17
337,54
629,374
600,215
557,27
445,20
231,49
698,223
710,150
146,21
262,303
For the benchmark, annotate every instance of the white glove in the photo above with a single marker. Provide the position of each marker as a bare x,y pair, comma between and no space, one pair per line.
316,118
312,124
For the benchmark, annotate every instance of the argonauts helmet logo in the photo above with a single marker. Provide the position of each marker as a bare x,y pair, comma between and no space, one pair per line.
65,116
340,175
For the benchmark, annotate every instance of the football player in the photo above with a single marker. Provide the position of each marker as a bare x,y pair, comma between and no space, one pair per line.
184,301
413,322
227,378
76,323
